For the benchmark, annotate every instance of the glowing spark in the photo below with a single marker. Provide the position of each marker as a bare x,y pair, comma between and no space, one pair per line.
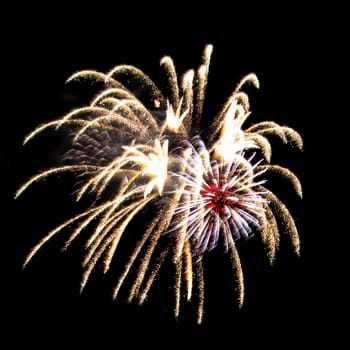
174,119
198,193
232,139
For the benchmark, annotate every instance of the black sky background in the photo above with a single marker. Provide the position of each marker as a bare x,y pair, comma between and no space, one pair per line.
286,303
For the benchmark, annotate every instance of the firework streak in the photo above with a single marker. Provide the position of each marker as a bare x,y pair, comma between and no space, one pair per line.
199,192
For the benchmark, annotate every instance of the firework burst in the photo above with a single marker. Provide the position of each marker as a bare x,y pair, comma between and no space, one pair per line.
199,191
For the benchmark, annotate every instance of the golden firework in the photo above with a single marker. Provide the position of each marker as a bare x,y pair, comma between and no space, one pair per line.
199,190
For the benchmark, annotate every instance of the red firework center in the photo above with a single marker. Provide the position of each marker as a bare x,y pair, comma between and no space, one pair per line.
219,198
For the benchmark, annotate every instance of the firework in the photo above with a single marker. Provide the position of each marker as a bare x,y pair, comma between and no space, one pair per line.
199,192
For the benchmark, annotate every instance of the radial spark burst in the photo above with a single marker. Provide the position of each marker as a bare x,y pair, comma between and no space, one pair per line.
200,192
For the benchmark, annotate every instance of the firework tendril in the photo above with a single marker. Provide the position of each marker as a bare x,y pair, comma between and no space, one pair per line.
199,192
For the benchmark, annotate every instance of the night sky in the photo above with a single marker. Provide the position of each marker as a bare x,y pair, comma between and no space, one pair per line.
282,301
